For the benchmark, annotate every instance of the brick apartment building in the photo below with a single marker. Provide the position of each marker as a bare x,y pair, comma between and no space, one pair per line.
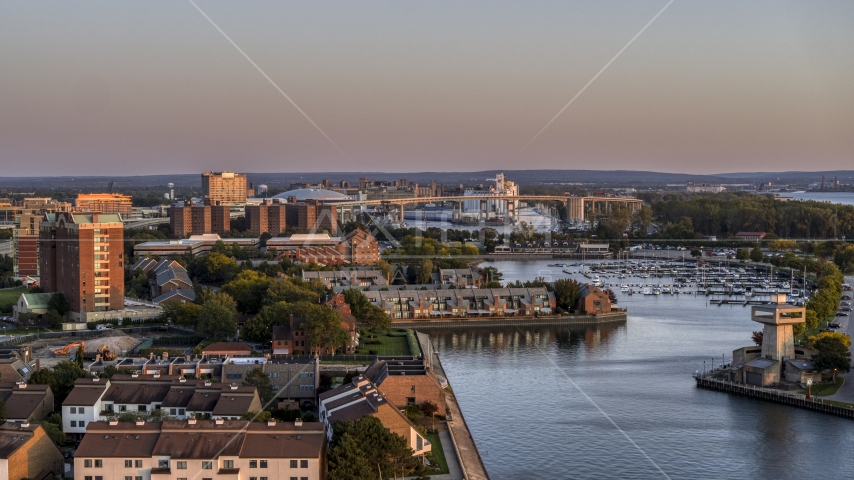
82,256
26,451
268,217
26,215
224,188
199,219
104,203
406,381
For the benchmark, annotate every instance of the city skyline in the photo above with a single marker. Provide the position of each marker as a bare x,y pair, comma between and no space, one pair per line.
131,89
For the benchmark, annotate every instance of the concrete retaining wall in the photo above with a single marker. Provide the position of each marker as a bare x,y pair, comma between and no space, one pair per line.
446,323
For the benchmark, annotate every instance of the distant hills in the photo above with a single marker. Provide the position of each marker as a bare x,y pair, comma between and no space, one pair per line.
616,178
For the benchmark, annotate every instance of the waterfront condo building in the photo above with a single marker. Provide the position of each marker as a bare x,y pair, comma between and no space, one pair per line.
202,449
227,188
82,257
104,203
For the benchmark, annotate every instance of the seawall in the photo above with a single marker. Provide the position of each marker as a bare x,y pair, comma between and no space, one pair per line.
450,323
795,400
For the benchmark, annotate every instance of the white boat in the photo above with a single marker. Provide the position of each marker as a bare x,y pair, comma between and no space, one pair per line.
647,291
624,288
656,291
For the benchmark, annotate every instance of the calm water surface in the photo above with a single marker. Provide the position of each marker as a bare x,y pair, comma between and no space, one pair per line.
844,198
517,389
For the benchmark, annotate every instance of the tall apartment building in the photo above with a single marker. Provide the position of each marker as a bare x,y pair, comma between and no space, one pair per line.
82,257
311,215
227,188
104,203
199,220
25,215
270,217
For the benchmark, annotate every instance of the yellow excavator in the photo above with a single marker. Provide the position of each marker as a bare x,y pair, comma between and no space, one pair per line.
106,354
66,350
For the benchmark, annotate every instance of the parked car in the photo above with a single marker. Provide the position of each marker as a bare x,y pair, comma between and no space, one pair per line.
834,325
841,314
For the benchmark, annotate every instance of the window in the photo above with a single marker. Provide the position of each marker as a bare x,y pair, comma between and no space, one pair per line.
263,463
173,411
306,388
89,477
98,477
137,463
303,478
180,411
410,401
81,410
207,465
306,374
128,477
128,464
293,464
274,374
99,463
182,479
87,463
253,463
141,408
73,409
81,423
123,408
228,464
182,465
163,464
294,478
137,478
73,423
303,464
234,375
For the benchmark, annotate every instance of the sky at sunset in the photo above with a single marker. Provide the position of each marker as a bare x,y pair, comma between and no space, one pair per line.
129,88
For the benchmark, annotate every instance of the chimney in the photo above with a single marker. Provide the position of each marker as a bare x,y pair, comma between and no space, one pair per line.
298,422
165,356
151,356
38,364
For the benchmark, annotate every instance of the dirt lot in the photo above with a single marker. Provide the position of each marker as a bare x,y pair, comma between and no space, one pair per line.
116,342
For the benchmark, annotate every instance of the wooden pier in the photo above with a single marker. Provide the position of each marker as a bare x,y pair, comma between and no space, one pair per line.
795,400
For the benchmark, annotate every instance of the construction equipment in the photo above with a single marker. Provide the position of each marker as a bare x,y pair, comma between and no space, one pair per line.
66,350
106,354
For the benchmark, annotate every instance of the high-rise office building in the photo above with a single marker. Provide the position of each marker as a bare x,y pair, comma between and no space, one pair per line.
224,188
82,257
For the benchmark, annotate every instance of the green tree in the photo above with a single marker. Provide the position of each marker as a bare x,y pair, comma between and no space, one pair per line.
493,277
425,272
742,254
366,312
60,378
259,379
78,357
832,354
363,448
323,328
217,320
567,292
138,285
186,314
288,290
756,254
58,303
248,289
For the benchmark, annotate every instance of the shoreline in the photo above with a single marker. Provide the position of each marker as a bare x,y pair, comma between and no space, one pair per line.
427,323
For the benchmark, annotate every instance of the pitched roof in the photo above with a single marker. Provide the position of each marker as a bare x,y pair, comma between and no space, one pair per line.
37,300
14,435
186,293
125,440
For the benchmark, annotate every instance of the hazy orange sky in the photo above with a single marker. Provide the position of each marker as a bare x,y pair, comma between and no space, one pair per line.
126,88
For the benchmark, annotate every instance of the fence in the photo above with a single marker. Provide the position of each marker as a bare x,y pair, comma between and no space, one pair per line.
752,391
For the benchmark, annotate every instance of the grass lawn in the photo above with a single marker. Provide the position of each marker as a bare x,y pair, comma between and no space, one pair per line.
815,331
397,345
826,390
437,457
9,297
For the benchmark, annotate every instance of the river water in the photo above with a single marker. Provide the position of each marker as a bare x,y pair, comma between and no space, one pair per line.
619,401
842,198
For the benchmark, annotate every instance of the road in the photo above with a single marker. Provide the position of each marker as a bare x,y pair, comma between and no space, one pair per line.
846,392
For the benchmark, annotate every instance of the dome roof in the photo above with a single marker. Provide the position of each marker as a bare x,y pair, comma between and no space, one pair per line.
312,194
